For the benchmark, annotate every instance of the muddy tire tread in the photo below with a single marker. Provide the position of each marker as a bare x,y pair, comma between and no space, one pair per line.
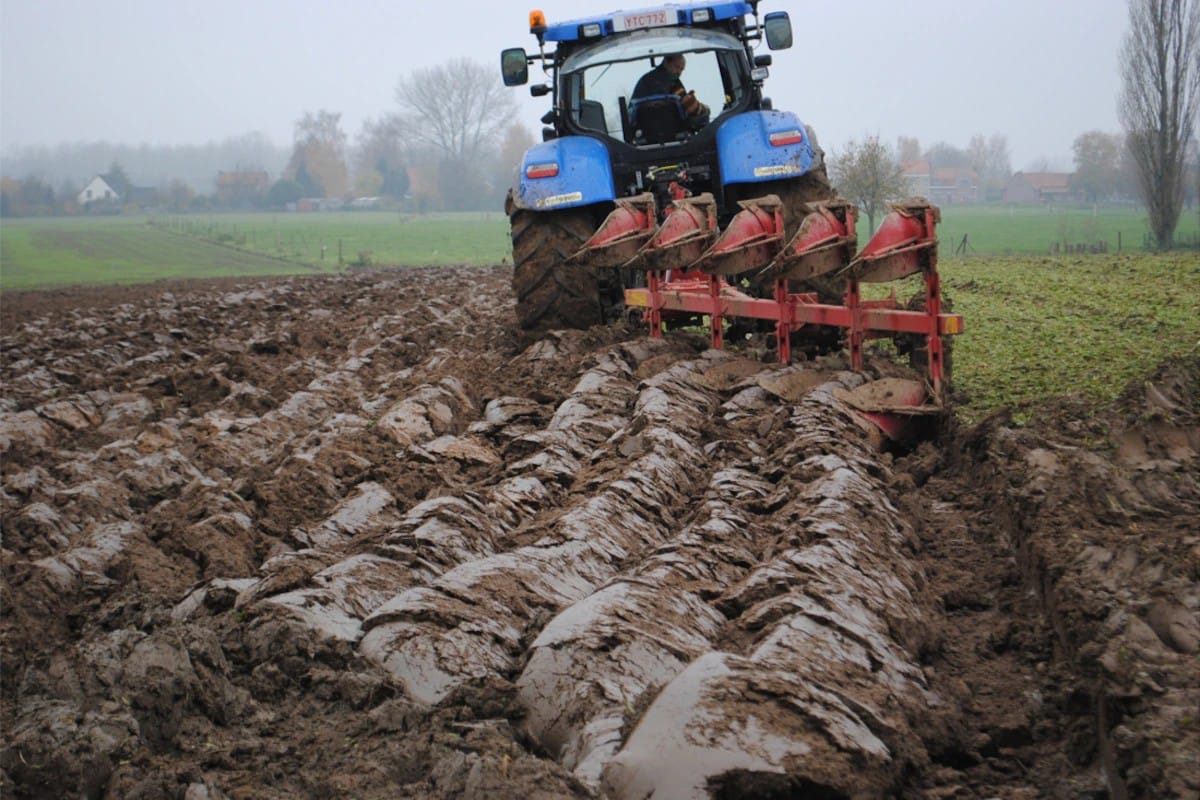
551,293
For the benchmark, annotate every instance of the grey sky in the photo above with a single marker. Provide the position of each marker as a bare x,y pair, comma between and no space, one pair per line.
185,72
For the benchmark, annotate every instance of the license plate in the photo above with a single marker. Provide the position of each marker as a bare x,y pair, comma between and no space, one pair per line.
644,19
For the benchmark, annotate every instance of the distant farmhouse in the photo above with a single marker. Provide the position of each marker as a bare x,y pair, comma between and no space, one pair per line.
110,192
942,186
1048,188
98,189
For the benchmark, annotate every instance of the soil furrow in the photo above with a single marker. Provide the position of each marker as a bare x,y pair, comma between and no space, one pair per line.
330,592
470,623
822,694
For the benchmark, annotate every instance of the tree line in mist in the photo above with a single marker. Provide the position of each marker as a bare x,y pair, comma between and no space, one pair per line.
452,142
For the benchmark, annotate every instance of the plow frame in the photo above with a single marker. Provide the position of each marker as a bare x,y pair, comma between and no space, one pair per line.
905,248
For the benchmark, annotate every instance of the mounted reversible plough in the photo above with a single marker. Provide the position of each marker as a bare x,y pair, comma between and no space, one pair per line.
688,264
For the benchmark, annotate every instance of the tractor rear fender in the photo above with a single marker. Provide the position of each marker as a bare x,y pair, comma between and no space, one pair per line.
564,173
764,146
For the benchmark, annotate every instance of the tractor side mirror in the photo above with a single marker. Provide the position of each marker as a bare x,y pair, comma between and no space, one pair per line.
778,26
514,66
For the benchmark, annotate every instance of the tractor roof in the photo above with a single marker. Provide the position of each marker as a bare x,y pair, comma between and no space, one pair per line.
670,14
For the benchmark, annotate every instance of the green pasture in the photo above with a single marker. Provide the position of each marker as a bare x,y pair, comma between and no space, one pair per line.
1041,230
43,253
360,238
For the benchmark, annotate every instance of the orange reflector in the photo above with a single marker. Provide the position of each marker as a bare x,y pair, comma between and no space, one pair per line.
541,170
951,325
794,136
537,21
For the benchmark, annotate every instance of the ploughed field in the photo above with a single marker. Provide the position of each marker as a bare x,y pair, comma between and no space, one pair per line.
357,536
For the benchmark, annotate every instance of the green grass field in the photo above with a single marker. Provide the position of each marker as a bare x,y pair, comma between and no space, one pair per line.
1000,230
1037,326
36,253
381,238
39,253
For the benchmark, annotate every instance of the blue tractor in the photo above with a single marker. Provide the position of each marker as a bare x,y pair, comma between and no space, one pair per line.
635,173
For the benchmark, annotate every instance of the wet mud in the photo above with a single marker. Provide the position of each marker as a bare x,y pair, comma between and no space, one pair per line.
362,536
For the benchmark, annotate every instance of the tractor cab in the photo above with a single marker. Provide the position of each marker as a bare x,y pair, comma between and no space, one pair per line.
637,129
598,86
599,61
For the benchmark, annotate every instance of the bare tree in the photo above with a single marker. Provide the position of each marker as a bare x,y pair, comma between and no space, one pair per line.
380,158
457,110
318,161
908,148
988,156
324,127
1196,175
1097,164
458,106
869,175
1160,66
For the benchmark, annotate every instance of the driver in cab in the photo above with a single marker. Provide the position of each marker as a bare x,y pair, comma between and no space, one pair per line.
664,80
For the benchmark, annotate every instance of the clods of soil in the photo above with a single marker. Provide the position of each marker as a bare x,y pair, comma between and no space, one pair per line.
360,536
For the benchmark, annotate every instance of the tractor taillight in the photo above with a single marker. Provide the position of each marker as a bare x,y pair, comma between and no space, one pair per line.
541,170
794,136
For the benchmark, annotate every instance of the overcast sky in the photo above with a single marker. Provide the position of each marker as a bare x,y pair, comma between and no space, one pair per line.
1040,72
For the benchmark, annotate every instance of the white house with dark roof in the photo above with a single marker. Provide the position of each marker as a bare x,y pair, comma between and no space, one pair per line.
97,190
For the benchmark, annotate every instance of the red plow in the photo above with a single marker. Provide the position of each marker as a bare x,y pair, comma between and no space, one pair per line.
756,245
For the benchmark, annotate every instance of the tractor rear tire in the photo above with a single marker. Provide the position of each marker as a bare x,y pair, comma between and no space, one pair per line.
550,292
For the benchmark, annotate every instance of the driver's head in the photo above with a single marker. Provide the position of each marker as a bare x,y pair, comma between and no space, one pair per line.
674,64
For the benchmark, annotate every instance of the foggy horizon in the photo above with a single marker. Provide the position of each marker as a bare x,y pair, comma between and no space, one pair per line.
130,73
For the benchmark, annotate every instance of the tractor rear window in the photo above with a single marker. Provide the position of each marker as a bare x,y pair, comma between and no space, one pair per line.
598,88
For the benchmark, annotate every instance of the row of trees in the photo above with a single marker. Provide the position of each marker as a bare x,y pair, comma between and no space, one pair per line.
33,196
66,166
870,173
1105,170
451,144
